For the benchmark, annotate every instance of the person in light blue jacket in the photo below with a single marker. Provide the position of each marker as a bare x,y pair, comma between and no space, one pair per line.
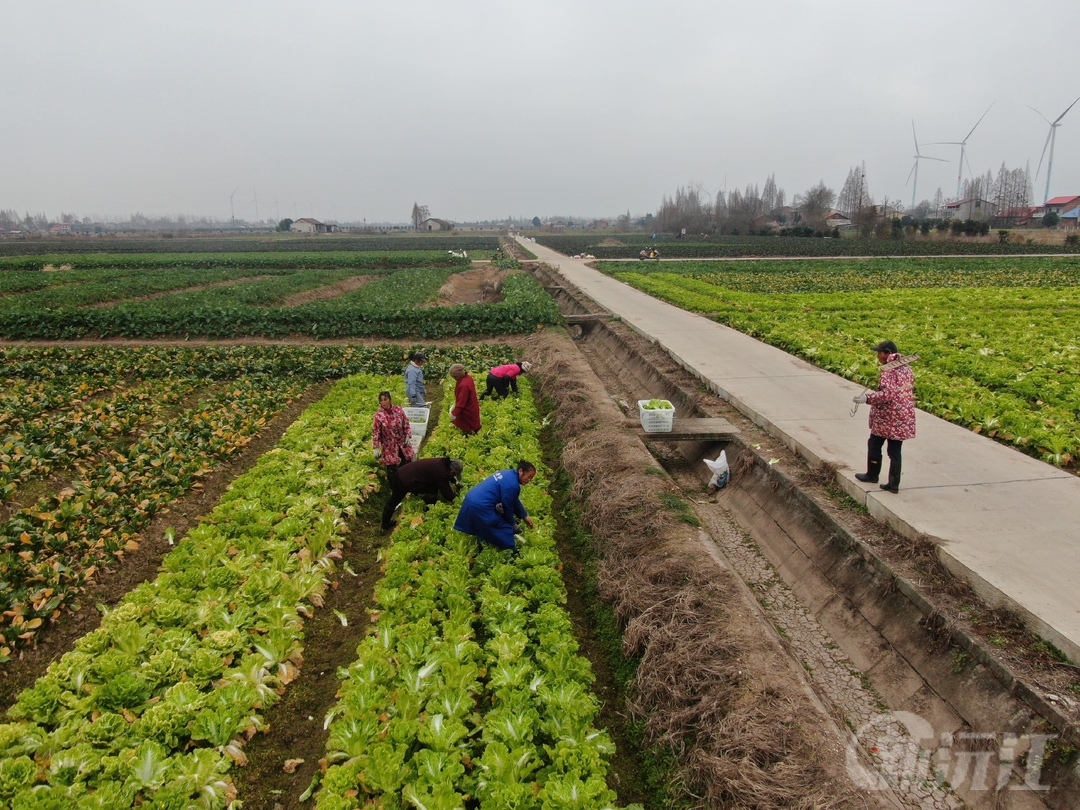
492,508
414,380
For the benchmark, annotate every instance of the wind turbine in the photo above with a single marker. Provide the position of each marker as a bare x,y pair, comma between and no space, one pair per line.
1051,136
915,169
963,145
232,213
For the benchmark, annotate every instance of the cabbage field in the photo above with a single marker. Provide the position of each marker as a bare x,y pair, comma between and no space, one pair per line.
467,685
997,338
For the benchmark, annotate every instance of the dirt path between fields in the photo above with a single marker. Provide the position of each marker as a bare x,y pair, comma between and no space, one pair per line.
196,288
326,293
482,284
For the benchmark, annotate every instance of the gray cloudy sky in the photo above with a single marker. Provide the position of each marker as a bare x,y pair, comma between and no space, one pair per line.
343,109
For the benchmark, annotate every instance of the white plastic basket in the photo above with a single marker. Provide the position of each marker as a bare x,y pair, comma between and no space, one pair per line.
417,415
656,421
415,439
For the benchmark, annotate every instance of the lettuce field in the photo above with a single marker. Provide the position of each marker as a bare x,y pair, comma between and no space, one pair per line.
997,337
467,687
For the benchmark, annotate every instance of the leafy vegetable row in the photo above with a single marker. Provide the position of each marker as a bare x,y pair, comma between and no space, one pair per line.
153,708
470,690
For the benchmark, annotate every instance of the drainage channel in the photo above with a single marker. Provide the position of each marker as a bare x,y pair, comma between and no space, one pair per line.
911,711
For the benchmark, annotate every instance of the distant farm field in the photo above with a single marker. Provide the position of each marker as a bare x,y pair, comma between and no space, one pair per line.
320,295
997,337
628,246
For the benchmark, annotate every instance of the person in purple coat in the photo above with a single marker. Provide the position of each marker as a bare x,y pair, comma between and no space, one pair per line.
492,508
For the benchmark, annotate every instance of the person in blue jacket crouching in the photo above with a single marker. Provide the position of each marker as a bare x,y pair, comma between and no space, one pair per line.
492,508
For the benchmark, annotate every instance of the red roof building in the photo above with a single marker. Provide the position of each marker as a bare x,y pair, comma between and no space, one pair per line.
1062,205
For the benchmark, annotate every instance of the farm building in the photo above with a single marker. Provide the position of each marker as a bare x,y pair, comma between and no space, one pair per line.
837,220
432,224
309,225
1063,206
972,208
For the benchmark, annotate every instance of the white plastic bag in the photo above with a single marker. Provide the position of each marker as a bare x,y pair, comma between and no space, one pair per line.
721,473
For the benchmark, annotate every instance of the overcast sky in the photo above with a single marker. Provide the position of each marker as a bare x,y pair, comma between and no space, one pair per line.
350,110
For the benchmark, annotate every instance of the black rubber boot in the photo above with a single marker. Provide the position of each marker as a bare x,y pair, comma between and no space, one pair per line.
873,472
894,478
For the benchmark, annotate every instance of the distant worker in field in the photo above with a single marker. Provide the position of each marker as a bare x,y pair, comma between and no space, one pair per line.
892,414
414,380
465,415
433,478
501,380
390,434
492,508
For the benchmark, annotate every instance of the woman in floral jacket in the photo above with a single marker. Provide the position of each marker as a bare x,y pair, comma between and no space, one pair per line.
390,433
892,416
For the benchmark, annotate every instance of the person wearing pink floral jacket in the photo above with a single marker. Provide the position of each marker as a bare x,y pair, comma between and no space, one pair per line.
892,416
390,433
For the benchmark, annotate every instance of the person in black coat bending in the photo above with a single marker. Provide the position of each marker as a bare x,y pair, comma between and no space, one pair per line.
431,477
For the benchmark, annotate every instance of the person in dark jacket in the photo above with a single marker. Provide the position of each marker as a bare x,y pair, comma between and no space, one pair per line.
493,507
431,477
501,380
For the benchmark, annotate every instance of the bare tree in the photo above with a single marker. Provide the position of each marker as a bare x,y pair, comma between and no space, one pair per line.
419,214
816,203
854,192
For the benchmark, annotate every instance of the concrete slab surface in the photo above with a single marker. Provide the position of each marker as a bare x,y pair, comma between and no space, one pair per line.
1008,523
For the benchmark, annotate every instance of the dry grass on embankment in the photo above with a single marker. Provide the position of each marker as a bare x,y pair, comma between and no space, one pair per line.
712,685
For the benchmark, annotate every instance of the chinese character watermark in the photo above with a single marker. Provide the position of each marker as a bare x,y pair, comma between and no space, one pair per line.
906,754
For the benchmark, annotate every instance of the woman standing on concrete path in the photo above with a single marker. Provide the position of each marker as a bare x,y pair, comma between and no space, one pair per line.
892,416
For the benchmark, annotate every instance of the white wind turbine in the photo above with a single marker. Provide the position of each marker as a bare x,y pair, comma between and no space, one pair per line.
1051,136
915,169
963,145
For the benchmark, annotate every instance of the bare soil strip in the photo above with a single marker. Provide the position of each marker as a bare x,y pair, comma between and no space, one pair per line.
326,293
111,585
482,284
196,288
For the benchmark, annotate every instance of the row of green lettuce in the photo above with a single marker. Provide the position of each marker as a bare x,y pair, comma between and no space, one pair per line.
340,259
389,307
470,690
152,709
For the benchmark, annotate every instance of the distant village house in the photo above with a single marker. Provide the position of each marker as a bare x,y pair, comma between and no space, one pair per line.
308,225
974,208
432,224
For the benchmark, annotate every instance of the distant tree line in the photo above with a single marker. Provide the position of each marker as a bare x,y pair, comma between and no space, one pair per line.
764,210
